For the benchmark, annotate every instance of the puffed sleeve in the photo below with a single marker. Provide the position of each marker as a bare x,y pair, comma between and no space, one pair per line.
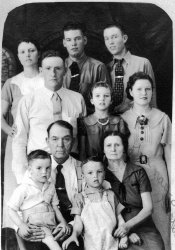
166,137
6,92
17,198
102,73
143,181
123,127
77,204
81,127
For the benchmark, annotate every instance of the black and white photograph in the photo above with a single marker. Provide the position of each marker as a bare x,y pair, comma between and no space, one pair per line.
87,118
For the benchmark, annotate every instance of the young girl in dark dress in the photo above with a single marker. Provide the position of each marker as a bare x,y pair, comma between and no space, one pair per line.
92,128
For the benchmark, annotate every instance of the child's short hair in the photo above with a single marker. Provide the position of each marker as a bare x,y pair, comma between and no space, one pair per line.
99,84
38,154
93,159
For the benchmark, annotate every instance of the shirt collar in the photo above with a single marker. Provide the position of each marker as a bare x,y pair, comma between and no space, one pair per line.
28,180
80,62
65,164
126,58
129,170
92,120
49,92
154,117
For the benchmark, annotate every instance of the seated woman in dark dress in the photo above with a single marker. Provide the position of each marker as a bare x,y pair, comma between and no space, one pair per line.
131,185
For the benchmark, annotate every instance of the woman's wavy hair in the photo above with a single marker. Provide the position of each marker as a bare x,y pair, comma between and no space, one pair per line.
132,79
29,40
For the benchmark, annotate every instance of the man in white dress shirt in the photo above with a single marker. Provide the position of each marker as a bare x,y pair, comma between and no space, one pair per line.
60,141
36,112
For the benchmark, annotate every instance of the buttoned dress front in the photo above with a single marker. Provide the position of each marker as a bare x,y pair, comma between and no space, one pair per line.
149,140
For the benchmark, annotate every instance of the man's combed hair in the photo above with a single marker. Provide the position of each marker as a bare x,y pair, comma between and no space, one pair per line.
50,53
117,24
38,154
61,123
75,26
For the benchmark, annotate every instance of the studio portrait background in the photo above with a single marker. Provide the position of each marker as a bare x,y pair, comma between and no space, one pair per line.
149,29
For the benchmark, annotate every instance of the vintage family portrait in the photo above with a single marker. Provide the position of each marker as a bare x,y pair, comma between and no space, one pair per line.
87,125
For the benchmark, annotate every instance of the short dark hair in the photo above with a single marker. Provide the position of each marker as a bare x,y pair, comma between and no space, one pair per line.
116,24
132,79
38,154
75,26
124,138
50,53
99,84
29,40
94,158
61,123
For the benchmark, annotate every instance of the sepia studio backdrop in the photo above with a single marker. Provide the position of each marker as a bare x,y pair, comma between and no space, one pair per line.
148,26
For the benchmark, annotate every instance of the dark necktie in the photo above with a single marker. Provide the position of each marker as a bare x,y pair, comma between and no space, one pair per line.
118,89
64,202
75,77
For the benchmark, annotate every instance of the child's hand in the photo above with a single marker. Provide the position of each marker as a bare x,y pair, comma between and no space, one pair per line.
121,231
72,238
135,239
123,243
24,230
66,228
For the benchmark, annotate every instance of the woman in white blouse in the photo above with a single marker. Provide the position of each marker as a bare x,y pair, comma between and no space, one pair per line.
14,88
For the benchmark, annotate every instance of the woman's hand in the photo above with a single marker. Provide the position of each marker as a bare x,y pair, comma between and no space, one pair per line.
72,238
12,130
121,231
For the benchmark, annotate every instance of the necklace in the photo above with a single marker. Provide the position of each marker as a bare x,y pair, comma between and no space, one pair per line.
103,121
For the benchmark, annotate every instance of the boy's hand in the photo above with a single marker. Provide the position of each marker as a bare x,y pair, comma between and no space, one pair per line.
72,238
123,243
121,231
135,239
62,231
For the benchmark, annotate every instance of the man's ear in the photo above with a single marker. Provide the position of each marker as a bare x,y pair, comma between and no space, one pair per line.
64,42
85,40
130,91
47,141
125,38
92,101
